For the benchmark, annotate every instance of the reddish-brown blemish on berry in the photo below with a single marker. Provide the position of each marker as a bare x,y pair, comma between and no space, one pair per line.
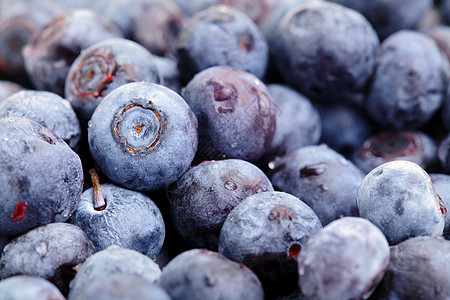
19,211
294,250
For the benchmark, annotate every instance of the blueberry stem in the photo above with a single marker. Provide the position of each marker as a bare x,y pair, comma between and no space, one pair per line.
99,201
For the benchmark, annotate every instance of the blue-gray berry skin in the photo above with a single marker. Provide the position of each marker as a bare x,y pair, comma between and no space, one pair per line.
441,35
266,232
41,177
444,10
221,36
22,287
50,251
385,146
169,72
388,17
314,53
298,121
344,260
7,88
441,183
395,195
52,49
322,178
113,260
143,136
48,109
345,127
130,220
121,287
103,67
204,274
409,83
235,112
419,269
204,196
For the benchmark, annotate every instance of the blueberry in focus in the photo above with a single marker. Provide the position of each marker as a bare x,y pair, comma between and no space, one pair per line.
41,177
204,196
235,112
21,287
204,274
314,53
103,67
143,136
51,50
409,83
441,183
419,269
221,36
50,251
266,232
344,260
109,262
409,145
399,198
320,177
125,218
49,110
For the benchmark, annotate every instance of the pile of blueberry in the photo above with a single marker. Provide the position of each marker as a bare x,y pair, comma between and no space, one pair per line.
224,149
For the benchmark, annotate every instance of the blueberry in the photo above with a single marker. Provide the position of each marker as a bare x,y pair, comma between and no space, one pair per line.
7,88
298,121
50,251
122,287
143,136
266,232
409,82
41,177
320,177
203,274
344,260
48,109
387,146
109,262
169,72
103,67
28,287
314,53
419,269
125,218
204,196
441,183
235,113
231,37
52,49
388,17
395,195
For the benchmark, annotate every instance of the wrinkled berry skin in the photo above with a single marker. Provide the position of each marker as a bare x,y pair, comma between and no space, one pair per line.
203,274
21,287
50,251
122,287
395,195
130,220
7,88
409,83
388,17
316,56
298,121
143,136
204,196
48,109
221,36
441,183
265,232
320,177
344,260
235,113
41,177
419,269
52,49
102,68
387,146
111,261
